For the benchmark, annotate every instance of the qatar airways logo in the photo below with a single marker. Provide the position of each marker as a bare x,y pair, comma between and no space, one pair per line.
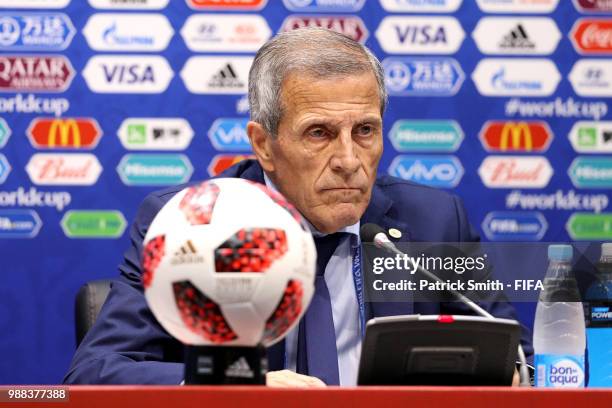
515,172
64,169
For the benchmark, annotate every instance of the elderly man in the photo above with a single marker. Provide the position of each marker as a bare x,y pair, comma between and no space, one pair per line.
317,100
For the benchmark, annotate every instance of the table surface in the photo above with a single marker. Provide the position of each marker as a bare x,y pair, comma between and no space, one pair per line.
371,397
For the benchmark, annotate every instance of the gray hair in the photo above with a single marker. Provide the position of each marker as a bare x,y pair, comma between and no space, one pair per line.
318,52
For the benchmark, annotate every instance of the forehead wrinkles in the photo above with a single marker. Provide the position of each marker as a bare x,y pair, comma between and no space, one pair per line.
307,101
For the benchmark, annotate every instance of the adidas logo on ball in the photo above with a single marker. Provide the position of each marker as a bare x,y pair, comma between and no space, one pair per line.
187,254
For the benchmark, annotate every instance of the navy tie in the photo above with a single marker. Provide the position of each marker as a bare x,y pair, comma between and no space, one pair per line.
316,352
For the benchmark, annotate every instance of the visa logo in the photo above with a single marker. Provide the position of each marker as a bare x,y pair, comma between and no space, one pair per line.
128,74
425,34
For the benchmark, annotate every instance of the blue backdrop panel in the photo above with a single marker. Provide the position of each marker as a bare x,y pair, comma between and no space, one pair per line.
511,116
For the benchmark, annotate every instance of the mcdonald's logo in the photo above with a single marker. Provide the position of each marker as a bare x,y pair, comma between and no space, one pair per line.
524,136
64,133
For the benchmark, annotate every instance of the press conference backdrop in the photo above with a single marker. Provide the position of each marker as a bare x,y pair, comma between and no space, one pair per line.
504,102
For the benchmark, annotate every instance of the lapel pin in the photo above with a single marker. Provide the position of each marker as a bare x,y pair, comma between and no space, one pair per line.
395,233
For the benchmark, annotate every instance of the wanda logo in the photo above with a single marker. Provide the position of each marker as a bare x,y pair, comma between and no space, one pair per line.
515,171
592,36
63,169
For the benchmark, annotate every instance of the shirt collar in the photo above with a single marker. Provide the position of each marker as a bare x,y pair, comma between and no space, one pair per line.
350,229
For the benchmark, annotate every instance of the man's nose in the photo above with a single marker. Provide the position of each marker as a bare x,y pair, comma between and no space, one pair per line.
344,157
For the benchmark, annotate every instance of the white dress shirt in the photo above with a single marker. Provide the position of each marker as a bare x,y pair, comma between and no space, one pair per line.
345,307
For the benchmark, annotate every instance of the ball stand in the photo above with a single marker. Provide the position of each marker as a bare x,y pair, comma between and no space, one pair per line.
225,365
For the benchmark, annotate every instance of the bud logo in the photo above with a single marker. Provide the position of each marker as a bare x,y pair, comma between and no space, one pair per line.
516,35
19,223
421,6
592,36
5,168
351,26
226,4
420,35
515,172
154,169
44,73
35,31
435,171
127,74
324,5
590,227
229,134
591,172
5,132
225,33
593,6
129,4
128,32
217,75
426,135
592,77
50,4
514,226
592,137
222,162
93,224
65,133
514,77
422,76
155,134
72,169
498,136
517,6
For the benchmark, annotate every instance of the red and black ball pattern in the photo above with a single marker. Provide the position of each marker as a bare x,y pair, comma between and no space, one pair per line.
198,203
152,254
251,250
201,315
287,311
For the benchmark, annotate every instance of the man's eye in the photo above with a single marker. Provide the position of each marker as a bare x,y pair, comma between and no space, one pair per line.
365,130
317,132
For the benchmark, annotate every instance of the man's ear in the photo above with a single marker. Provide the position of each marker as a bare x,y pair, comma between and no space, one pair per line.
260,142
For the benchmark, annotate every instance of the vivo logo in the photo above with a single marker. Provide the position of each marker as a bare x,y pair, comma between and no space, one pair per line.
435,171
229,135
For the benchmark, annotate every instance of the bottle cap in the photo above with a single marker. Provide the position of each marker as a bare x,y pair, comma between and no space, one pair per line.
560,253
606,249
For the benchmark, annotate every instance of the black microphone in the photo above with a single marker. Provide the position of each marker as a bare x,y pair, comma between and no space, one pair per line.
376,234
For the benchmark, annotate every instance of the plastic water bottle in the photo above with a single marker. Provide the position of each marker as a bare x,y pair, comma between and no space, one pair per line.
558,334
598,307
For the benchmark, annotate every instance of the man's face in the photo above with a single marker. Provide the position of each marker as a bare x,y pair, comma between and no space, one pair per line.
328,146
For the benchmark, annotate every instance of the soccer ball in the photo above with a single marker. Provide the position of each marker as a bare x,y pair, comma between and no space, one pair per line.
228,262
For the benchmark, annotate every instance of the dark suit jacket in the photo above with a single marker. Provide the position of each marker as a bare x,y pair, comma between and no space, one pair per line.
127,345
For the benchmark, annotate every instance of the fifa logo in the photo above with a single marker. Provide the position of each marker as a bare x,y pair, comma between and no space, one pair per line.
64,129
516,132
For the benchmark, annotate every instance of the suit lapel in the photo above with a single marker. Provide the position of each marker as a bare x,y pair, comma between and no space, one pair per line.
378,213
